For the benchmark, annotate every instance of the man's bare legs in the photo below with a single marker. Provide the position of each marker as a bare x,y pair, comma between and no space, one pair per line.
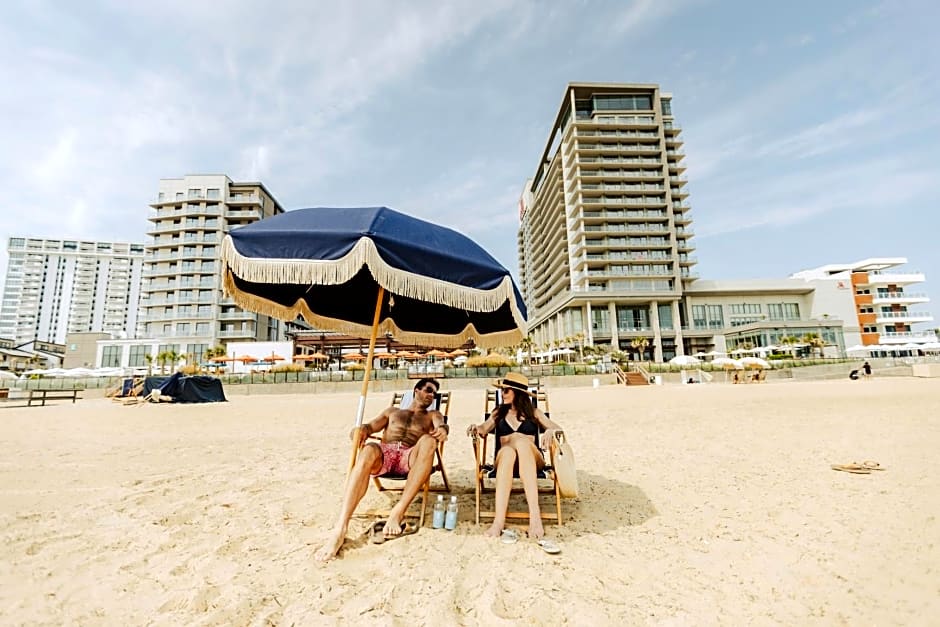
420,462
523,451
368,461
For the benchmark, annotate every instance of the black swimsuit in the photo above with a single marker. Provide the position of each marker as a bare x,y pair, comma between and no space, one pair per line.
526,427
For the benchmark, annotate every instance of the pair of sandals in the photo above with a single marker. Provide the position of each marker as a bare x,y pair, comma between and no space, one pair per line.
511,536
863,468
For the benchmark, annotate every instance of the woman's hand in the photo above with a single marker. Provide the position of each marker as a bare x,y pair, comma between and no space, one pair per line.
473,431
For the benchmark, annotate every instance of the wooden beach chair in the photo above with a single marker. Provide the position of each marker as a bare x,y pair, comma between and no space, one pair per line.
485,472
403,400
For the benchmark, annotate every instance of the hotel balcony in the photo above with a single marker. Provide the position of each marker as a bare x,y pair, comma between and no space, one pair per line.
243,333
899,297
244,200
888,317
895,278
903,337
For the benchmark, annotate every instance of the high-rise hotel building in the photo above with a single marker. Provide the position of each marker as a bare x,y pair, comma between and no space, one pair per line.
58,286
605,237
183,305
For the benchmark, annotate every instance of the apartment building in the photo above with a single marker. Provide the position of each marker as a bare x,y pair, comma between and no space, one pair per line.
605,225
878,299
58,286
182,304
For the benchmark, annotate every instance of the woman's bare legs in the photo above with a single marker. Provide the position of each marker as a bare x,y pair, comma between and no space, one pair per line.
529,456
505,462
519,449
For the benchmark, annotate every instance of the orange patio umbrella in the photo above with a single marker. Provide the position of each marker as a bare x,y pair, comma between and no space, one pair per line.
354,356
436,353
386,355
274,357
246,359
318,356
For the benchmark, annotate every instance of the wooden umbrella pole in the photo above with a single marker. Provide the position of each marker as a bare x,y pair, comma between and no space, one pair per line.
361,410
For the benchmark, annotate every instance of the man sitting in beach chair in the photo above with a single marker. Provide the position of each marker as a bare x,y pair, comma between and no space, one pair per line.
409,441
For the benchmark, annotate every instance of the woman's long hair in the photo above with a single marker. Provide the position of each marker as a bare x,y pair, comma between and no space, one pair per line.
521,402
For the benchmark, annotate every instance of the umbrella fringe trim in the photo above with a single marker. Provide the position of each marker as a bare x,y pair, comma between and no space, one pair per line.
365,253
282,312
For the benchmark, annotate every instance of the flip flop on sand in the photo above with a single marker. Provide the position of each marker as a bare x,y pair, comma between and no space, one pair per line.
375,532
407,529
549,546
857,469
871,465
509,536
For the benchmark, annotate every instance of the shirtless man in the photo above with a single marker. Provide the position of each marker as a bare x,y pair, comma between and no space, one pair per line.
409,440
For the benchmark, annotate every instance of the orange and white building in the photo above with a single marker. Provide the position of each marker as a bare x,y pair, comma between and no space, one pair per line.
878,301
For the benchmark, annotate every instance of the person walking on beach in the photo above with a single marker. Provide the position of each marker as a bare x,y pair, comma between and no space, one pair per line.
409,440
866,368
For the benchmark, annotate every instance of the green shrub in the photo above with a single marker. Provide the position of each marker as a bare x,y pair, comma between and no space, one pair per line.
287,368
493,360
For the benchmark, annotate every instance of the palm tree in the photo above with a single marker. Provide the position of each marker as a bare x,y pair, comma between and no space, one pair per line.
173,357
579,338
162,358
526,345
639,345
815,342
149,359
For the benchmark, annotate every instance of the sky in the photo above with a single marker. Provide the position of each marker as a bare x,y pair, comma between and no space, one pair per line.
810,128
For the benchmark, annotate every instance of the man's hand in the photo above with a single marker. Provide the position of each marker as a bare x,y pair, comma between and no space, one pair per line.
355,436
440,433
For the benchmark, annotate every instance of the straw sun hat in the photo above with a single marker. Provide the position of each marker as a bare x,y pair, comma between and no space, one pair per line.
514,380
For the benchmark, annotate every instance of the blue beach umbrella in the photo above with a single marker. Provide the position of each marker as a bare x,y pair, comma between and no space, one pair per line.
371,270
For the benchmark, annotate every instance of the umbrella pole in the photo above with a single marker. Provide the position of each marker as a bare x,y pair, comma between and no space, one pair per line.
361,410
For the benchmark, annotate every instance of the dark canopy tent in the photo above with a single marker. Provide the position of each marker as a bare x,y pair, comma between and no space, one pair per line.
186,389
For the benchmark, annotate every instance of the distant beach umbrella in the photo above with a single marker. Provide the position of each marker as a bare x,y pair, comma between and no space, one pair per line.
684,360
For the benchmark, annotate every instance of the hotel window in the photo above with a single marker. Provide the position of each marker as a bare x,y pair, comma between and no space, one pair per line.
626,103
212,193
194,192
179,195
665,317
715,318
870,329
202,328
667,107
110,356
137,356
699,319
600,320
867,309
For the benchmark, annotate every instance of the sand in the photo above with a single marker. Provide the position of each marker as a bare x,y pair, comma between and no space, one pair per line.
707,504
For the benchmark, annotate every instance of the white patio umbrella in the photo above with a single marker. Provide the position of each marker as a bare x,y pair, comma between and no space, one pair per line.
755,362
858,348
6,374
727,362
700,354
685,360
715,354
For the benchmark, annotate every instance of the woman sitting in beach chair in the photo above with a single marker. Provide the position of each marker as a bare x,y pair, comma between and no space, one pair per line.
517,424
